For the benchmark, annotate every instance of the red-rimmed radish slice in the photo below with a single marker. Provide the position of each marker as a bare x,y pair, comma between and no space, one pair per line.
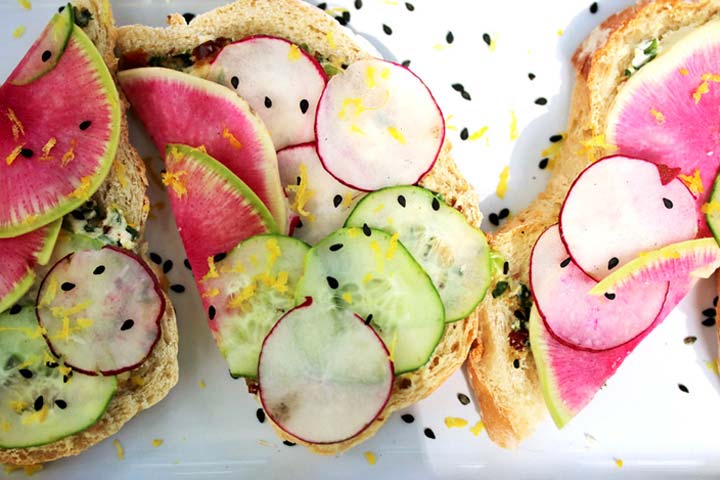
324,377
584,321
279,80
101,310
18,256
618,208
378,125
318,201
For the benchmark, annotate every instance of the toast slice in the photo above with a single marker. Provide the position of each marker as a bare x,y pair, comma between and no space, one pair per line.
302,23
510,398
125,189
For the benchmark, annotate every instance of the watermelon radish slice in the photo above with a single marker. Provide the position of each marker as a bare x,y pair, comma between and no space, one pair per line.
45,53
18,256
580,320
248,291
320,202
619,207
56,146
213,208
323,378
377,126
667,112
279,80
712,210
179,108
101,310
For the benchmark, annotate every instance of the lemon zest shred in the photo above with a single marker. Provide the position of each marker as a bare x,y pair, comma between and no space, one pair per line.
212,270
174,180
37,417
477,428
119,449
202,384
234,142
514,134
393,346
294,53
302,195
211,293
347,200
502,186
392,248
712,207
712,365
138,380
19,31
236,301
330,37
693,182
478,134
367,278
47,148
370,77
455,422
370,458
157,442
17,126
14,155
25,4
618,462
119,170
659,117
347,296
701,90
354,128
69,156
684,72
18,406
397,135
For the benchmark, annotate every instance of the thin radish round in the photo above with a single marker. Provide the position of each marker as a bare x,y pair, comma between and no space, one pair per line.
377,126
584,321
279,80
101,310
618,208
324,377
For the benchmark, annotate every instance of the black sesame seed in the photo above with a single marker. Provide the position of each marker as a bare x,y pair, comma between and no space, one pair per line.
435,204
429,433
26,373
610,296
410,6
709,322
304,106
332,282
464,134
541,101
543,163
668,203
613,262
268,102
565,262
322,5
288,443
516,363
368,319
458,87
52,364
66,378
387,29
405,63
366,230
335,247
188,17
715,301
77,215
177,288
167,266
127,325
39,402
299,224
506,268
493,218
407,418
67,286
60,10
61,404
709,312
219,257
99,270
260,414
401,200
15,309
556,138
463,399
85,125
504,213
211,312
689,340
449,38
46,55
520,315
234,376
683,388
235,82
358,4
337,200
186,262
486,38
465,95
26,152
155,258
531,76
593,7
346,16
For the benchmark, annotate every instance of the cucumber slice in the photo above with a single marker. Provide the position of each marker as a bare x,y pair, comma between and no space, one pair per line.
454,254
712,210
247,292
371,273
42,401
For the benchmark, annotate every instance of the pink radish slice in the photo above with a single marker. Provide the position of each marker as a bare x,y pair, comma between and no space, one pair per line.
581,320
101,310
319,201
378,125
324,377
618,208
667,112
279,80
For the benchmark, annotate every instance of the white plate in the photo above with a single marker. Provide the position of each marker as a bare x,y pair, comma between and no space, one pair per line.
641,417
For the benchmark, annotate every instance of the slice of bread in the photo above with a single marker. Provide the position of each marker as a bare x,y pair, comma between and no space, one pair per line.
302,23
510,398
124,189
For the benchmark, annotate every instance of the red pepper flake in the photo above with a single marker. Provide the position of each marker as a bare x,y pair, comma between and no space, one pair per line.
518,339
210,49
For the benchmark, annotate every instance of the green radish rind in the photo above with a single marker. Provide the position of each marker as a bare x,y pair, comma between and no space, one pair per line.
44,255
22,347
406,308
426,221
712,212
256,263
20,289
57,33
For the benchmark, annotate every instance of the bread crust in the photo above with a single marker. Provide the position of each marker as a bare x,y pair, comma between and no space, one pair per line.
510,399
304,24
125,189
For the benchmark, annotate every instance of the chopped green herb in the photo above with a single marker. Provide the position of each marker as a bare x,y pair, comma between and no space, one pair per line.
500,288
